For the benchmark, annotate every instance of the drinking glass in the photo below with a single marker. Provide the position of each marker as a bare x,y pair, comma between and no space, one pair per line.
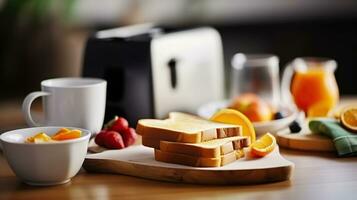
258,74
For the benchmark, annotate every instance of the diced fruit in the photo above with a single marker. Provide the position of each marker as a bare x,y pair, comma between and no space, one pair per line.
278,115
129,136
118,124
113,140
295,127
319,109
255,108
39,138
62,134
30,139
230,116
61,131
348,117
263,146
72,134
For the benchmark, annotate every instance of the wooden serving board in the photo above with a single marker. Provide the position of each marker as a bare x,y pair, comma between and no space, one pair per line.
139,161
304,140
307,141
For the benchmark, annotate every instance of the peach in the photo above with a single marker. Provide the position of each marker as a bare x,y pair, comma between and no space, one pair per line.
256,109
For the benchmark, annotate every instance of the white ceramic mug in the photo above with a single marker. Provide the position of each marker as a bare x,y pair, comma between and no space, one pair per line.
75,102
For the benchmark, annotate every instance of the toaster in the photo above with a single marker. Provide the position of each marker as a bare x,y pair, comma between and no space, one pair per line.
153,70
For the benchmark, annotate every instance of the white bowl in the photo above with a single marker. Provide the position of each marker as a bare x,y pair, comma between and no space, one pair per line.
207,110
45,163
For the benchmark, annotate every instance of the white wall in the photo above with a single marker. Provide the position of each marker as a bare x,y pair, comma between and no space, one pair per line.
211,11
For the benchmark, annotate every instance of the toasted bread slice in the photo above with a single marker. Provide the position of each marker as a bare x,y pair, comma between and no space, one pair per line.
194,161
208,149
181,127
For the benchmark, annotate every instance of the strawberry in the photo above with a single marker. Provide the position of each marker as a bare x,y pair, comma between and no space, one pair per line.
129,136
99,138
118,124
110,138
113,140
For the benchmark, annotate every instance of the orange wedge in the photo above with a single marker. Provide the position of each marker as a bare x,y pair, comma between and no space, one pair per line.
263,146
319,109
62,130
348,117
67,135
230,116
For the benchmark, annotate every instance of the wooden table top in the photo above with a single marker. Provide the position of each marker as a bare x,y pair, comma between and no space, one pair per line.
316,176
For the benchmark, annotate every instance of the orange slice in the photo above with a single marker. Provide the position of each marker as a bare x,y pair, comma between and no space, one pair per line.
62,130
230,116
68,135
348,117
59,133
319,109
263,146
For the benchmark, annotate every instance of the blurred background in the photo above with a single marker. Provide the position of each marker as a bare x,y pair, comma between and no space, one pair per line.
41,39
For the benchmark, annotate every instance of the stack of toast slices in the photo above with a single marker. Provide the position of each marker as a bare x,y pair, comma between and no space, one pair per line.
190,140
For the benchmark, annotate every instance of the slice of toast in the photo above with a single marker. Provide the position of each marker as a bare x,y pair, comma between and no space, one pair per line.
194,161
208,149
186,128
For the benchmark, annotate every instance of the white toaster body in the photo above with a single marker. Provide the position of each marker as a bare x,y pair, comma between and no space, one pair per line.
187,70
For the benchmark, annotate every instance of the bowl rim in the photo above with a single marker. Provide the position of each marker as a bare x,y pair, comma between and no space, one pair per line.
292,113
291,117
76,140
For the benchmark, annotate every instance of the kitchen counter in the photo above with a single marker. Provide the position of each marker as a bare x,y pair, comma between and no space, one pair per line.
316,176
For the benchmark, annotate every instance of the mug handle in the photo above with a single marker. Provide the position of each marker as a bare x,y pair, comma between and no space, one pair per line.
26,106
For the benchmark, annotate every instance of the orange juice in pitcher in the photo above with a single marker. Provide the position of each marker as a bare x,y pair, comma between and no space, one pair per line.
313,85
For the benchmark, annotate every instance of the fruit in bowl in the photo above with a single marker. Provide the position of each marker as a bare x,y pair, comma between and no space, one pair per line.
255,108
62,134
282,117
43,162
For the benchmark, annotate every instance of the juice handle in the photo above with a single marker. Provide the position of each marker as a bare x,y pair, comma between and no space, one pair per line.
286,97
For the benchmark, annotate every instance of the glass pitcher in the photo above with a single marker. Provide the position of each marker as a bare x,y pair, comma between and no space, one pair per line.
310,85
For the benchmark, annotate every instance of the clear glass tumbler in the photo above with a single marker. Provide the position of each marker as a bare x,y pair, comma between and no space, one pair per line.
258,74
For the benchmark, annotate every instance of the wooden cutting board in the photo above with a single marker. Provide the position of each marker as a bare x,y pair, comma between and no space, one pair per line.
139,161
307,141
304,140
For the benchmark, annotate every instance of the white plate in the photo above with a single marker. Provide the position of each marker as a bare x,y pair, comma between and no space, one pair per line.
207,110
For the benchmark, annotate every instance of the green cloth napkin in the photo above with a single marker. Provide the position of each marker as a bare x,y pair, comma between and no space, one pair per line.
344,140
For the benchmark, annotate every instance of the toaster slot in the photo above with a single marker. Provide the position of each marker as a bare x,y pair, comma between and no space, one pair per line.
173,72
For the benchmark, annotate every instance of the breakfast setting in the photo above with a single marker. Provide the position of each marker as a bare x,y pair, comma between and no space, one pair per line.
175,110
